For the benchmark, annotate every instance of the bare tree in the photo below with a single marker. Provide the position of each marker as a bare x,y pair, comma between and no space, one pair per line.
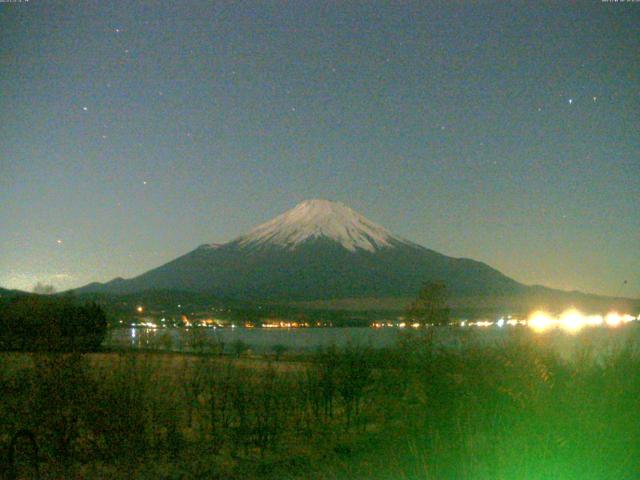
430,307
44,289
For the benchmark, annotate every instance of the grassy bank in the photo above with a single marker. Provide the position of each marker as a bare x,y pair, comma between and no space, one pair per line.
415,411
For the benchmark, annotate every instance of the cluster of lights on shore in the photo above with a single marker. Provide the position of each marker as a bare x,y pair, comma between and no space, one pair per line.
571,320
216,323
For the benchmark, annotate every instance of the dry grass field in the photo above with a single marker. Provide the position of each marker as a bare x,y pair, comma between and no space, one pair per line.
415,411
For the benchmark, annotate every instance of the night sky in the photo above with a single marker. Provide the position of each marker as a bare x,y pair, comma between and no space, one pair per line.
132,132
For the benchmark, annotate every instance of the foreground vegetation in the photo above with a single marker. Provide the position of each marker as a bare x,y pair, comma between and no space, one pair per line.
417,411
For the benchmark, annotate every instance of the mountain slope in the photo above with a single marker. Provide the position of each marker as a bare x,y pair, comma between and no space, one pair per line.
318,250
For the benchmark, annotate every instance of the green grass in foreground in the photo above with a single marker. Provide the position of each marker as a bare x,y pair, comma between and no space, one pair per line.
512,411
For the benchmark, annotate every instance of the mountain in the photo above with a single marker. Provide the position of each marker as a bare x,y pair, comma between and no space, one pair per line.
320,251
321,219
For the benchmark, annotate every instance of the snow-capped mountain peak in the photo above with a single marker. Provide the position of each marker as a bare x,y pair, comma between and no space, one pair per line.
321,219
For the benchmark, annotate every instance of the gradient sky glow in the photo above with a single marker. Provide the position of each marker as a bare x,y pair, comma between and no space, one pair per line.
134,131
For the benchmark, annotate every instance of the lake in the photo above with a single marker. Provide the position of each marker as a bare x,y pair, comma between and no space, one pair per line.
262,340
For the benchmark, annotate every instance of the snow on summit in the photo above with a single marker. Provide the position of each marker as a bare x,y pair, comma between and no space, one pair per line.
321,219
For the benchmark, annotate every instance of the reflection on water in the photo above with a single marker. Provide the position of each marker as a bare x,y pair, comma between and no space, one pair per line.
259,340
263,340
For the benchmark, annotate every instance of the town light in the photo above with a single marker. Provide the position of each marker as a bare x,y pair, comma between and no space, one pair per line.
572,320
540,321
613,319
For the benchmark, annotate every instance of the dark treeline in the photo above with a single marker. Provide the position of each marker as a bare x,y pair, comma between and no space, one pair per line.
46,323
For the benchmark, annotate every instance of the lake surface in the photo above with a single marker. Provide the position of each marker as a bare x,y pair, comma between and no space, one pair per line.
260,340
263,340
